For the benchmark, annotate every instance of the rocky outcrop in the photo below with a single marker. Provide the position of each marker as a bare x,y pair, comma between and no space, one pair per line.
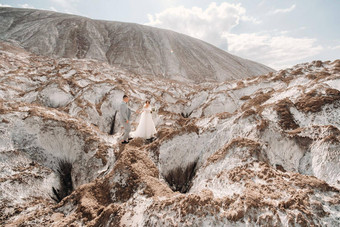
266,149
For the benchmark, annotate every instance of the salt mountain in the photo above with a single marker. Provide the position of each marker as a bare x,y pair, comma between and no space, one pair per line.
137,48
261,151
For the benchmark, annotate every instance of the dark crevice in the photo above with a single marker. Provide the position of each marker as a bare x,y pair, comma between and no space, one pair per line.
180,179
150,140
112,130
64,170
186,115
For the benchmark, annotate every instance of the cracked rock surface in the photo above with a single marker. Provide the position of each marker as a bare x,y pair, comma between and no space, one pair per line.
266,147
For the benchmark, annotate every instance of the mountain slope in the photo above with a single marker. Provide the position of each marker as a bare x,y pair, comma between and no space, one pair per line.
139,49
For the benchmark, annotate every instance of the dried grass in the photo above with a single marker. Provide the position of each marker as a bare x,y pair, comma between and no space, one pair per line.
314,100
251,145
244,98
286,118
257,100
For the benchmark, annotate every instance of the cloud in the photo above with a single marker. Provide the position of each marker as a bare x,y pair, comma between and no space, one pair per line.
27,6
207,24
277,51
262,3
69,6
2,5
335,47
286,10
215,25
251,19
53,9
63,3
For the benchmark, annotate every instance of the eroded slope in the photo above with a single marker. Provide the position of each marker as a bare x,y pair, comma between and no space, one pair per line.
266,148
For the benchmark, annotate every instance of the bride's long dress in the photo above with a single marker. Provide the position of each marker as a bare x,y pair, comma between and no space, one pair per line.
146,127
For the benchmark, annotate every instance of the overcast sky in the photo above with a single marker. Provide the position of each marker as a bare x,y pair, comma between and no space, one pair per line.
276,33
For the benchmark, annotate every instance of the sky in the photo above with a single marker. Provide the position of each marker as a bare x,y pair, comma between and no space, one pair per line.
277,33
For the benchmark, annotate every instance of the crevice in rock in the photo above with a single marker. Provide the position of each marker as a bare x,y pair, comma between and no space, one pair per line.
112,129
186,115
64,170
180,179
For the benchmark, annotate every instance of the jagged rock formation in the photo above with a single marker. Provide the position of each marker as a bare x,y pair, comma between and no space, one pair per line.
140,49
267,147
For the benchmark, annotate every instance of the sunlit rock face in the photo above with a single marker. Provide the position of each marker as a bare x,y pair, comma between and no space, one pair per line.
137,48
262,151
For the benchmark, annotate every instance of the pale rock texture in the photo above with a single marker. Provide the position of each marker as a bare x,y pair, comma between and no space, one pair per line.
267,147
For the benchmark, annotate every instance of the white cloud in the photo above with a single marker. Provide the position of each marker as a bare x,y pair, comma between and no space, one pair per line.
27,6
277,51
335,47
63,3
53,9
251,19
2,5
69,6
214,24
207,24
262,2
286,10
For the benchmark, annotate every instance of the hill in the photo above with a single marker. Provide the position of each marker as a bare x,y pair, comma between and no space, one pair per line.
137,48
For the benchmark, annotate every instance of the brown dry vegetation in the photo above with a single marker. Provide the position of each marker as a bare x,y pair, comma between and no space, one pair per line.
252,147
256,101
336,65
332,135
314,100
283,76
286,118
244,98
320,75
296,72
224,115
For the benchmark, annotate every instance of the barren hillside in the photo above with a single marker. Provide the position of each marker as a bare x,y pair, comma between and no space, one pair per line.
139,49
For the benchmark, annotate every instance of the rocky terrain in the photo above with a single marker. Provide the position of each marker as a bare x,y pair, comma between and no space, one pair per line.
261,151
138,49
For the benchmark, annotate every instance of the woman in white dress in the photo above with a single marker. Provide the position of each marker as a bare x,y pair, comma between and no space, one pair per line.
146,127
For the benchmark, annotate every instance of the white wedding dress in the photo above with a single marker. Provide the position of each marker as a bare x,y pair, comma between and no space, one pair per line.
146,127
